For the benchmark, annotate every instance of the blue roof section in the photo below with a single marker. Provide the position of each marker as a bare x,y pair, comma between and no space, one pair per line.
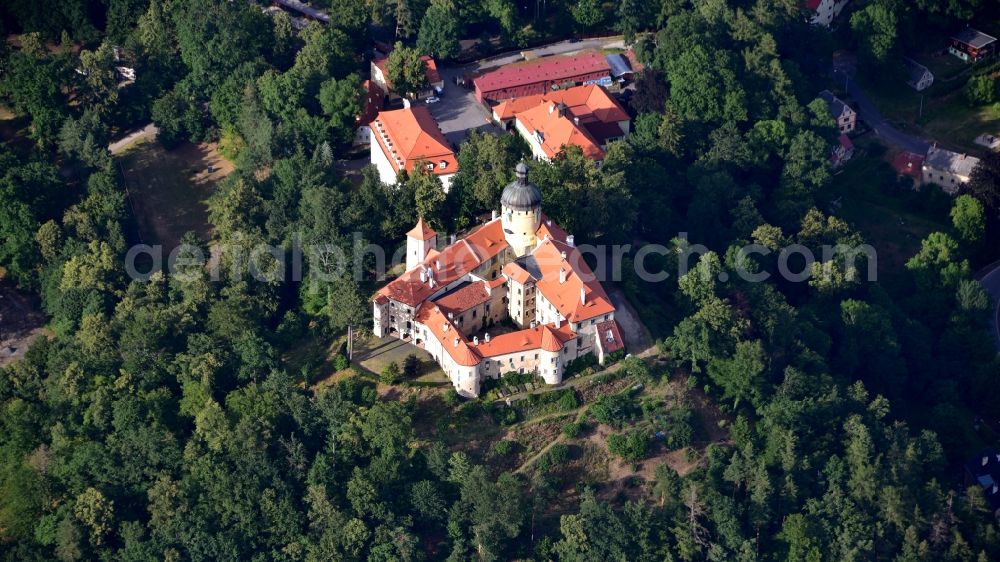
619,64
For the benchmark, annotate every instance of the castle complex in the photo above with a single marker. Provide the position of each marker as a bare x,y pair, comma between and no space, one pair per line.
519,276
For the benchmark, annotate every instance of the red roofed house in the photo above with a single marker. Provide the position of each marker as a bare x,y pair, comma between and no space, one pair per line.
585,116
518,266
404,138
909,164
823,12
434,81
541,76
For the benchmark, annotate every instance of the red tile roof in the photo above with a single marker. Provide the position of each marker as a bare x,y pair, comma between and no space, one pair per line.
552,69
446,266
587,103
421,231
558,131
411,135
514,271
908,164
565,296
464,297
546,337
444,331
609,337
813,4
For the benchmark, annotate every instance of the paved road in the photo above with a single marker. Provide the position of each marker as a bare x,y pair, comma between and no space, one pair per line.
870,114
991,282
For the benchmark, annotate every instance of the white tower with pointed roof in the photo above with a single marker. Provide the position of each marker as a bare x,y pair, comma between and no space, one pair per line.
419,240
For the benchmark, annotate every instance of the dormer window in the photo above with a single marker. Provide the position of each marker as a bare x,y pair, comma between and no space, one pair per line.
442,164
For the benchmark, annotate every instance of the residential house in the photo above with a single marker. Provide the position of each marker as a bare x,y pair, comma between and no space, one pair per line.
919,77
380,77
406,138
847,118
910,165
824,12
518,267
541,76
984,471
972,45
585,116
950,170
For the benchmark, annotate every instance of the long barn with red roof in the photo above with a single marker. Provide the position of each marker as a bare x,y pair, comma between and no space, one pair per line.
540,76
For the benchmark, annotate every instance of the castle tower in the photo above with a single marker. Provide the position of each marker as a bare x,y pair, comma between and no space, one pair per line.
521,212
419,240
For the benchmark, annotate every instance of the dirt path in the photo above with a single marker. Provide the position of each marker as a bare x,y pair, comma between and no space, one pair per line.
146,133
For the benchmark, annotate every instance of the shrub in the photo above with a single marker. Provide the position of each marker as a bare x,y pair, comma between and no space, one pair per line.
630,446
554,458
981,90
572,430
451,397
612,410
390,374
502,448
635,367
340,362
411,366
568,401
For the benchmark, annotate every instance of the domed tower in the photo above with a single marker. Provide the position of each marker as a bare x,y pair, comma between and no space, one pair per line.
521,212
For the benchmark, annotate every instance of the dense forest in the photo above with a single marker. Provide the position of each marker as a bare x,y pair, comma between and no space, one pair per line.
161,421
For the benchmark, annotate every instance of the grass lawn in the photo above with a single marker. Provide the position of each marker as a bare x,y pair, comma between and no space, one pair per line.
893,220
169,189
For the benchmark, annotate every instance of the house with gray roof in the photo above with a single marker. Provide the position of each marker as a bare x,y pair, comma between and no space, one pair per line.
919,77
847,118
950,170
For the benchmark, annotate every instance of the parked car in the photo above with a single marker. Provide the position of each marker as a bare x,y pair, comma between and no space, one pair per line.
432,99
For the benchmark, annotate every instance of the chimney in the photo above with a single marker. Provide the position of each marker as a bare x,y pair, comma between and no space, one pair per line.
486,337
563,254
445,327
451,316
456,343
493,215
437,264
552,107
548,222
583,296
475,340
562,275
570,240
576,121
453,238
423,275
534,324
558,321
